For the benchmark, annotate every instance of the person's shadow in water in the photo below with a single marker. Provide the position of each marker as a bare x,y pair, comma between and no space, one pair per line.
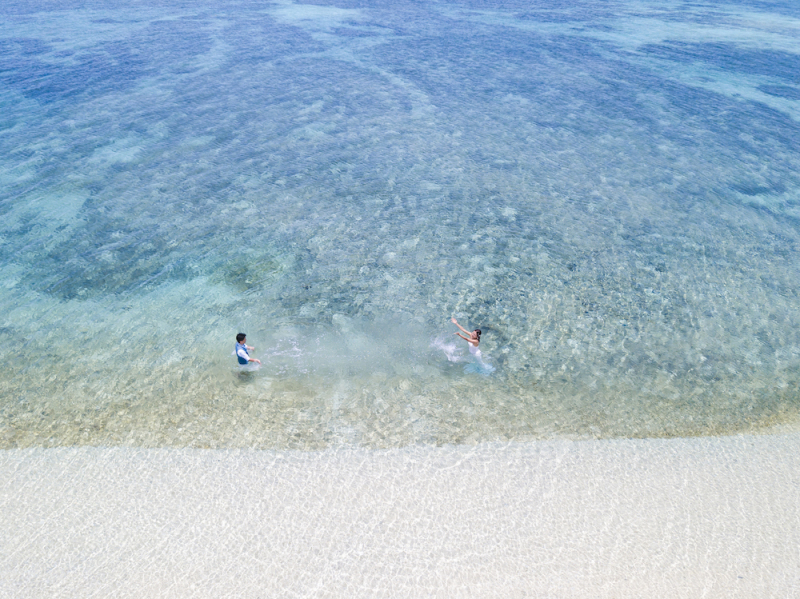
482,368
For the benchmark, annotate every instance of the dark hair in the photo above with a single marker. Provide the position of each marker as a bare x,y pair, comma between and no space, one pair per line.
478,331
240,337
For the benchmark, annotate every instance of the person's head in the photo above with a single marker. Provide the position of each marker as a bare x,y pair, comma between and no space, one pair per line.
240,338
477,334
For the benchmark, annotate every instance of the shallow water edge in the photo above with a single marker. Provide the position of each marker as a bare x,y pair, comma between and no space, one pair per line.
610,190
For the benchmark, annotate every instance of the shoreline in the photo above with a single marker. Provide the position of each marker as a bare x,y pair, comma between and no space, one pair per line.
716,516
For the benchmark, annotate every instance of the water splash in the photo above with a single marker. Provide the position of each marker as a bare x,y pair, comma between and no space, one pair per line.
454,352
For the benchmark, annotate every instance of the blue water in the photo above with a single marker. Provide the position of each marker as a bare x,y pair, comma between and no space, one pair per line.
609,190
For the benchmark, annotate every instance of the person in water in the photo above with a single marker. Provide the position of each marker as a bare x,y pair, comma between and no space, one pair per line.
242,350
474,338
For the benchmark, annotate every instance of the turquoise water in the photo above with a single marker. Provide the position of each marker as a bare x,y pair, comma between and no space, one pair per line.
610,191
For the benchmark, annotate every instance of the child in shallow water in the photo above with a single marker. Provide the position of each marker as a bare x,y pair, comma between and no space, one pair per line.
474,338
242,350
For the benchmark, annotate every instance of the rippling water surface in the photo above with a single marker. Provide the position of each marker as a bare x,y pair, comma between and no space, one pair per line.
609,190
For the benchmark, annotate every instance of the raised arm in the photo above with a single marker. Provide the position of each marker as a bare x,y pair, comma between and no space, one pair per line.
467,339
455,322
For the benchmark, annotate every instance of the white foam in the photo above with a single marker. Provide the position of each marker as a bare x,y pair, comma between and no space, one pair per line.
451,350
710,517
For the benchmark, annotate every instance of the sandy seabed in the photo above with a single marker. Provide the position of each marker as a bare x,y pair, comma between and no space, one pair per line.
704,517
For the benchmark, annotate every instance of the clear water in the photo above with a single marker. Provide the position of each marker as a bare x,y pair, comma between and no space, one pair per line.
609,190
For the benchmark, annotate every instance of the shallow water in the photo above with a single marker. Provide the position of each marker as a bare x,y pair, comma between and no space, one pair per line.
610,191
712,517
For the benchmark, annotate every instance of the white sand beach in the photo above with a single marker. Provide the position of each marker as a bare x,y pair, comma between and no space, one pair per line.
609,191
704,517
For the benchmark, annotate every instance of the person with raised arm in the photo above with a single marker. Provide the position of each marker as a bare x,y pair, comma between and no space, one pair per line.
473,339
